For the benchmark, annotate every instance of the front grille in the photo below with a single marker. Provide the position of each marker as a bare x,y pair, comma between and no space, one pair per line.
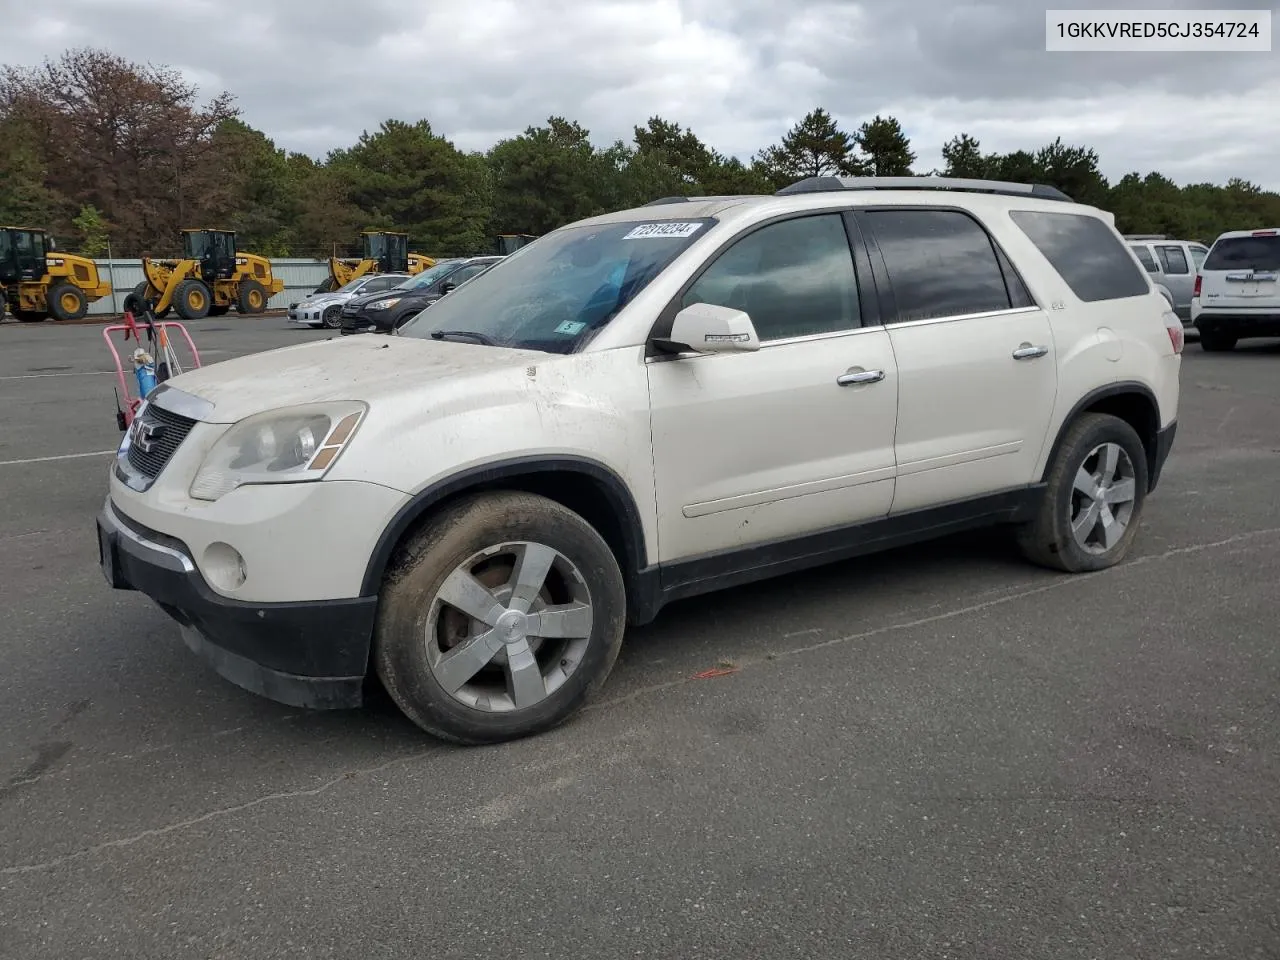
161,432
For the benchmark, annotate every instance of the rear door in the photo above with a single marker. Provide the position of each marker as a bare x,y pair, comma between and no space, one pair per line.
1179,277
977,367
1242,273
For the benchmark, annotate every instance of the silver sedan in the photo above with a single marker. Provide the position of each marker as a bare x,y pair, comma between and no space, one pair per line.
325,309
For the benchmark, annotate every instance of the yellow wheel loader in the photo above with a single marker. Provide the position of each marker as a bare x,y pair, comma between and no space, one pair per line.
211,277
36,282
383,253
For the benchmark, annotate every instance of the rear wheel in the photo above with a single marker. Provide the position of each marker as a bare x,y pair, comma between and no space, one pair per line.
501,619
1216,342
251,297
66,301
1093,503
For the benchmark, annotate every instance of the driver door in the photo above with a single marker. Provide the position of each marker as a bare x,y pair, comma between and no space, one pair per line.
772,444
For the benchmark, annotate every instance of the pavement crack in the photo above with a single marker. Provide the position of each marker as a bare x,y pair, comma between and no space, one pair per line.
279,797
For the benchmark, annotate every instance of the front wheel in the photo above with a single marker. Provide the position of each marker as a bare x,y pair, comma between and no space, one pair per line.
500,619
332,318
192,300
1093,503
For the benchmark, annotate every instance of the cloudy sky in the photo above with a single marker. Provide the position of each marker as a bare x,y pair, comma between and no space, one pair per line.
314,73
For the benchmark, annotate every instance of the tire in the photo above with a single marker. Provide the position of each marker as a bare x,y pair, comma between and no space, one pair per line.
486,708
192,300
251,298
332,318
1048,539
1216,342
66,301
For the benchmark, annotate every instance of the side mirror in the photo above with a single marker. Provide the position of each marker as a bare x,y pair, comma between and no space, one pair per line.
707,328
447,287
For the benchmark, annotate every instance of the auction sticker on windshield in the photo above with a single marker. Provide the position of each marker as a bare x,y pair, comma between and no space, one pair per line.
664,230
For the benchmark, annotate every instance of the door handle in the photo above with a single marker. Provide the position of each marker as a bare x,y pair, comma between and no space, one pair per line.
1029,352
862,376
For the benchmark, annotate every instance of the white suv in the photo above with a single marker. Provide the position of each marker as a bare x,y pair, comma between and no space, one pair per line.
639,407
1237,291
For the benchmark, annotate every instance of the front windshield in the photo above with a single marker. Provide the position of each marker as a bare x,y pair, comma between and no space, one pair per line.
560,288
194,245
427,277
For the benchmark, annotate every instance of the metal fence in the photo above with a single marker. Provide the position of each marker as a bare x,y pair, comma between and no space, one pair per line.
300,276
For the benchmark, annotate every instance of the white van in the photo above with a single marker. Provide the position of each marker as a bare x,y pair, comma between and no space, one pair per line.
1237,292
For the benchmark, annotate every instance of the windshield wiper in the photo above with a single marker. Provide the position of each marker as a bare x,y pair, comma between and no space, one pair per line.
464,335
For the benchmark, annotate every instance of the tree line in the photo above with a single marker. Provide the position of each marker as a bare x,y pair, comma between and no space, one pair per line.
100,150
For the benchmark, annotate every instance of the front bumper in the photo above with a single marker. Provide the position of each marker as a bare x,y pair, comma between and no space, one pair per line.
309,654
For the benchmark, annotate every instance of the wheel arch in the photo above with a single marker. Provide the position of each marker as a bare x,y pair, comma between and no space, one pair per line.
1130,401
592,490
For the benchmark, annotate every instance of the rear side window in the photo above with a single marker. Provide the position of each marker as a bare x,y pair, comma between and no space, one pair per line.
1174,260
941,263
1146,259
1197,256
1086,253
1245,253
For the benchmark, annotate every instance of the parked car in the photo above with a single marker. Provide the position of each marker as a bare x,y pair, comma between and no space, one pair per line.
324,309
1172,265
1237,293
391,309
639,407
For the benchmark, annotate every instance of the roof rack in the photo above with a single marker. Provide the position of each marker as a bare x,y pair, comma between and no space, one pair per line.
831,184
1145,236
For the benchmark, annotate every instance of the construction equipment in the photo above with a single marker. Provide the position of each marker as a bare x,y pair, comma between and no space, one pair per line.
384,252
509,243
36,282
211,277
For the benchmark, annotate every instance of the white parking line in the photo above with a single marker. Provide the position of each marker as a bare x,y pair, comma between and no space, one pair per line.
40,376
61,456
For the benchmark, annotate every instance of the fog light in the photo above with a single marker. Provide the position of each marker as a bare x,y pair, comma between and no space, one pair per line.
224,566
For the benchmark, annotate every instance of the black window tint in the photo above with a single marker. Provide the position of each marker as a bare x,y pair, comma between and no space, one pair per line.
1245,253
1086,253
941,263
466,273
1174,260
377,284
1146,259
1019,295
793,278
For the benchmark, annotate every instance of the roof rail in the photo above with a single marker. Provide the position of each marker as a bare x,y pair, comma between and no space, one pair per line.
1006,188
1145,236
660,202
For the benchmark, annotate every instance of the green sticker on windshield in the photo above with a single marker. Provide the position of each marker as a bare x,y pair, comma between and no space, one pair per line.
570,327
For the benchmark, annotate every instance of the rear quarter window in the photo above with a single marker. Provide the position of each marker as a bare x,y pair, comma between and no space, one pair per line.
1087,254
1244,253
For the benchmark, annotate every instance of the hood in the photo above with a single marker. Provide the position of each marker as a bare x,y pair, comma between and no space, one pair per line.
366,298
365,368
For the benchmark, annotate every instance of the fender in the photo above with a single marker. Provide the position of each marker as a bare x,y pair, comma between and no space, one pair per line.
490,474
1101,393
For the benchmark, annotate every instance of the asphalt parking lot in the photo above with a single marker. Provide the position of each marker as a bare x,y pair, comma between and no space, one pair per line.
940,752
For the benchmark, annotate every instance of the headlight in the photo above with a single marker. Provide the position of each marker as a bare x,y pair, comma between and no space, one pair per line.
289,445
384,304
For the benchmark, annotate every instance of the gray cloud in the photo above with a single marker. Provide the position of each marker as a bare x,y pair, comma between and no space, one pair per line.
313,74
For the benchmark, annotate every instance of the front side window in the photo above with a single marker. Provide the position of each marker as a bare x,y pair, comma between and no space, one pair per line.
793,279
1145,258
1085,252
555,293
941,263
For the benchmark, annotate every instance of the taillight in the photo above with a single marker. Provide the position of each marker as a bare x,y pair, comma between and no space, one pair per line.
1196,291
1173,327
1264,233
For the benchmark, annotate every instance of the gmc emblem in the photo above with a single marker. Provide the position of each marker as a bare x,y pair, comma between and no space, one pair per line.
145,435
